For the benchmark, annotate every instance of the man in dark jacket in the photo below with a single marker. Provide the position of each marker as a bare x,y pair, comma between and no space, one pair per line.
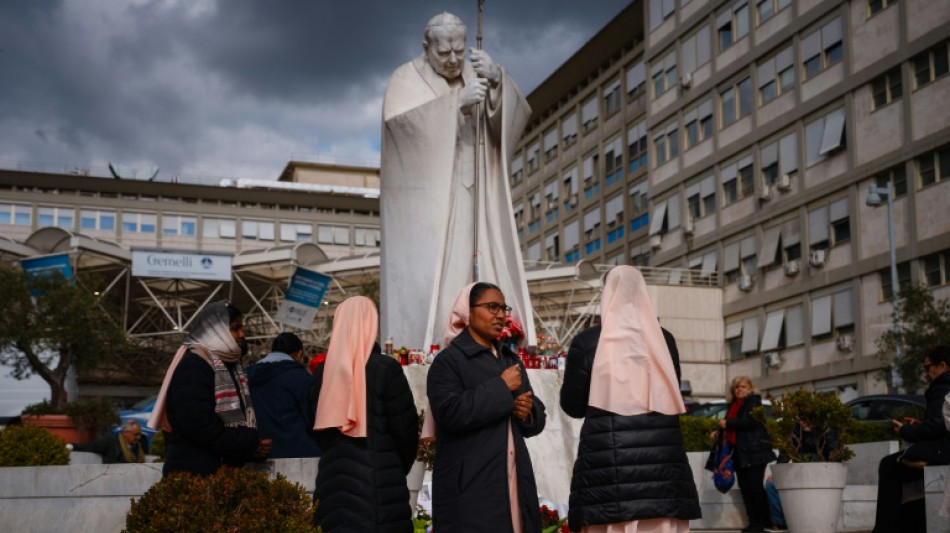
126,447
930,444
279,387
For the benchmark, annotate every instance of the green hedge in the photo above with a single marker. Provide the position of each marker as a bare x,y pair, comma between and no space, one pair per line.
696,432
871,432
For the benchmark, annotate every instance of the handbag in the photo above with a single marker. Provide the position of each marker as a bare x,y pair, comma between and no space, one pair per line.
720,462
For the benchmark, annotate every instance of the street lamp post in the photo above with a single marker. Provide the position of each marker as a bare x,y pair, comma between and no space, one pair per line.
875,194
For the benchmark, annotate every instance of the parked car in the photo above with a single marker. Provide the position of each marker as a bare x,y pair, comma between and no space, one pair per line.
717,409
884,407
139,412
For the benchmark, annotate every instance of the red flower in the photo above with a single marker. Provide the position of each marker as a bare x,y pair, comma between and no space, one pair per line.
512,332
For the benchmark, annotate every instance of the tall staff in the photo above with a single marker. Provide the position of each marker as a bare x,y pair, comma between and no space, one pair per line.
479,150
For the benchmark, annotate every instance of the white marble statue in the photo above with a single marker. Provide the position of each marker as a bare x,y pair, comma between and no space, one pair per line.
428,186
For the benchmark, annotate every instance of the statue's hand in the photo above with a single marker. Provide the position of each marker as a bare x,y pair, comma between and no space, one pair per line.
484,66
473,94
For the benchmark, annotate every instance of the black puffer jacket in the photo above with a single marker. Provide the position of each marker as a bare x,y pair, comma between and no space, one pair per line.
361,482
753,447
627,467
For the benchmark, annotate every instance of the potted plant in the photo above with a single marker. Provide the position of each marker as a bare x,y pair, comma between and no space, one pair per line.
809,430
80,421
425,457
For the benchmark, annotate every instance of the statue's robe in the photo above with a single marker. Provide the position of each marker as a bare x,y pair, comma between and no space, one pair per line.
428,200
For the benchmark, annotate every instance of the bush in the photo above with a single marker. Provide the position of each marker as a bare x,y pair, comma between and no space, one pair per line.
233,499
696,432
95,413
157,445
31,446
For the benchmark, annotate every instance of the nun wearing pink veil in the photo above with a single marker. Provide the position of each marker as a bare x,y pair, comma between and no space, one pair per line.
631,474
483,408
365,421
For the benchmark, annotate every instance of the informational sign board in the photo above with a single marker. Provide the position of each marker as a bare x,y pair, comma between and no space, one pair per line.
304,297
181,265
41,266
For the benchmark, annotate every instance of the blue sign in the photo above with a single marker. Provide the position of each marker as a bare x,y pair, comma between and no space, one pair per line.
303,299
42,266
307,287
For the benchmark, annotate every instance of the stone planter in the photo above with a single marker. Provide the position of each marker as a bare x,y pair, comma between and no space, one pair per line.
811,494
61,425
414,482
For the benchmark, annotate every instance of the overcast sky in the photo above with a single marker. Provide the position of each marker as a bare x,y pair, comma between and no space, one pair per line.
236,88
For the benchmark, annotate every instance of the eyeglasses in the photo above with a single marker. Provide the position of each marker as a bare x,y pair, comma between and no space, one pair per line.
494,307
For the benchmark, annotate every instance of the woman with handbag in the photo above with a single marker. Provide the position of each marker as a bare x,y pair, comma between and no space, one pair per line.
751,450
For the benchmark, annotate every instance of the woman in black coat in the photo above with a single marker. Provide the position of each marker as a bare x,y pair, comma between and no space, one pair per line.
366,424
204,407
631,472
483,408
751,450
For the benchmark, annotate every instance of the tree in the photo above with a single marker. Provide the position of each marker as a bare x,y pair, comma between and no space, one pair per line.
50,323
924,324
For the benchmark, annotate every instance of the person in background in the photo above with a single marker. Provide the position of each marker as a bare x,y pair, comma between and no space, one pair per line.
279,386
751,450
483,409
126,447
204,406
365,421
631,472
930,445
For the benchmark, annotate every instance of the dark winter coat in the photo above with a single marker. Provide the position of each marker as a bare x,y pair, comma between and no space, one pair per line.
627,467
930,438
361,482
199,442
279,394
753,447
110,448
472,408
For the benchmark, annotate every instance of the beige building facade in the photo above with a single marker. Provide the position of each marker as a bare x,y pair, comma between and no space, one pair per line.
739,139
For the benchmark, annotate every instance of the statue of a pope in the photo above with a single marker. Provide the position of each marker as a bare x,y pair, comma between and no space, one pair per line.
433,197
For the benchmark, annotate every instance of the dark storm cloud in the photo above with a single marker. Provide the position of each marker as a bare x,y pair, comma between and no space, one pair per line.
237,87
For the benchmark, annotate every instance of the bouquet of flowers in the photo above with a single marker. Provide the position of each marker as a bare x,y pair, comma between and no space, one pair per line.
550,521
422,522
513,332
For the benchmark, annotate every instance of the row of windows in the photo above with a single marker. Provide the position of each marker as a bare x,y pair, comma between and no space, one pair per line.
829,225
832,315
775,76
932,270
183,225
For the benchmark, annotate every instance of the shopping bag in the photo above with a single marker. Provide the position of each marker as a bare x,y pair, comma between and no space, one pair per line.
720,462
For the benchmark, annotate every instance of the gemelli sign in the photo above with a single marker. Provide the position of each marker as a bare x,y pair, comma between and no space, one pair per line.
181,265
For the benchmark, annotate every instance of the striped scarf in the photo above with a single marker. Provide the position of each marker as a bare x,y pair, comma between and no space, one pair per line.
227,400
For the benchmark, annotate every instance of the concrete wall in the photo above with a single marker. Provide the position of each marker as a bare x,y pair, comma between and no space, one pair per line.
96,497
57,498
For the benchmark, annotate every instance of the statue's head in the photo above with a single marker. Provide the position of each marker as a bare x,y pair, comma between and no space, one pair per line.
444,45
